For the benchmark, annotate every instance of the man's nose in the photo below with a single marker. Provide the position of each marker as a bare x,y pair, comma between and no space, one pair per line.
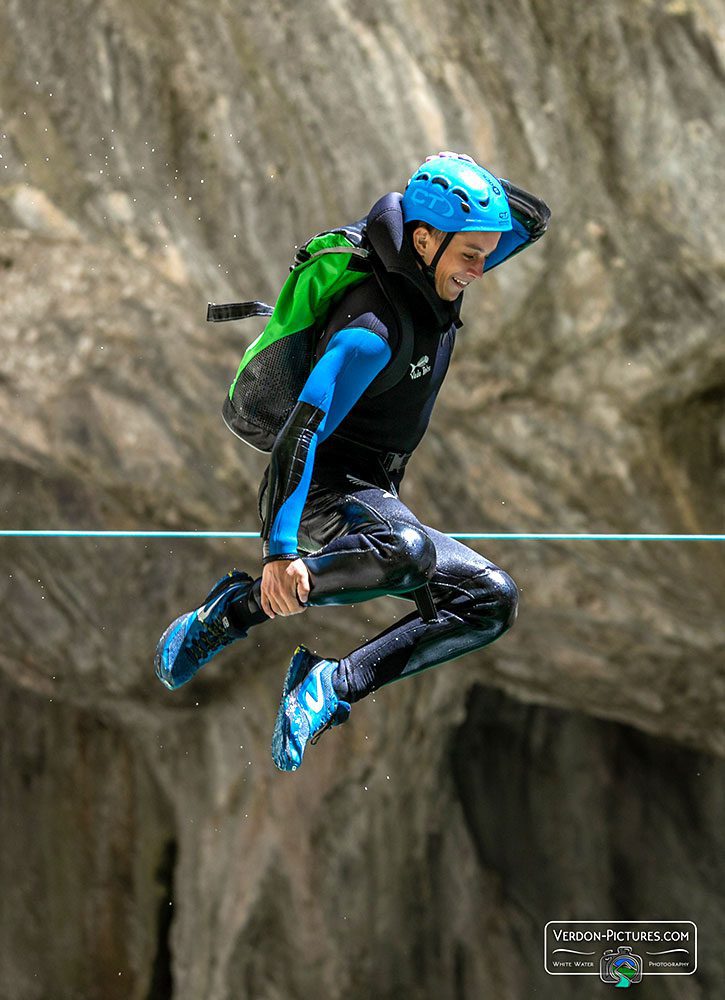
475,268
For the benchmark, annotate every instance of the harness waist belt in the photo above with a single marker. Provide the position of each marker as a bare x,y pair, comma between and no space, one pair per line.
391,461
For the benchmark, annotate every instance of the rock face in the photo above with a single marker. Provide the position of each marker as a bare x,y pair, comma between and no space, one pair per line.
154,156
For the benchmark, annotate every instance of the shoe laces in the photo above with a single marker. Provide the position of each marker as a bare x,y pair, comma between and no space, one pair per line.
328,725
334,720
215,636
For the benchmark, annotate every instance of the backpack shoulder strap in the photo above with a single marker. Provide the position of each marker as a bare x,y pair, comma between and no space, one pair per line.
354,233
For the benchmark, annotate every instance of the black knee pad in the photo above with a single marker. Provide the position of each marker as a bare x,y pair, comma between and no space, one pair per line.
410,556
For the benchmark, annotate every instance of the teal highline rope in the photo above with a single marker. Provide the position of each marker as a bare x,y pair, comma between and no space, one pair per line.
490,535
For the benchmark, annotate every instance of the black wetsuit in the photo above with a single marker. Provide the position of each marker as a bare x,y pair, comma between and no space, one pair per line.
330,494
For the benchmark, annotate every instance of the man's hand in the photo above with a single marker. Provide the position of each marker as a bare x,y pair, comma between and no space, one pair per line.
282,582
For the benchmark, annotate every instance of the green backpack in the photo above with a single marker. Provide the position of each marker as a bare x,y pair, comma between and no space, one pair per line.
276,365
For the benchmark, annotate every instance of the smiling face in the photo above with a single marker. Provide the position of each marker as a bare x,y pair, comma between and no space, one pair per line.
461,263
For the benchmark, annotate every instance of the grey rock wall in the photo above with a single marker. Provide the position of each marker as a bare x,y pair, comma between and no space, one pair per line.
154,156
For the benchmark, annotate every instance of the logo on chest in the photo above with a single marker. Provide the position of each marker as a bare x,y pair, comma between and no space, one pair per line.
421,367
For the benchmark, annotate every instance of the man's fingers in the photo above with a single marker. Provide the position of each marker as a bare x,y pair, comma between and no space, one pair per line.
277,604
284,590
303,587
291,602
266,604
301,582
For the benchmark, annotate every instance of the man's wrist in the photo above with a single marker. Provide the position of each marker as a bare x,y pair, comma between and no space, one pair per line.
289,556
289,553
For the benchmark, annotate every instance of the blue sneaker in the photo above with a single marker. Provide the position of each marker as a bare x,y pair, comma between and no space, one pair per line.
192,639
309,707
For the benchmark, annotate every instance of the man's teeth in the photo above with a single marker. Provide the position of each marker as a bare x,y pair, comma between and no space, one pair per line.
463,284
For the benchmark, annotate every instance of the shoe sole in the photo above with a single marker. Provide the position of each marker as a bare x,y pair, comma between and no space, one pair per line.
161,667
296,669
281,738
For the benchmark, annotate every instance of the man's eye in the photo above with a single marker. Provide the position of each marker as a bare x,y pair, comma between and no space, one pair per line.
468,256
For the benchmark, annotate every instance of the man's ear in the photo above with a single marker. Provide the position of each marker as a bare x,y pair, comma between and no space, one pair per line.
420,239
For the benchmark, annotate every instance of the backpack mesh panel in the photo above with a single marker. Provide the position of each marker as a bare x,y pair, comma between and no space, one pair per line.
267,388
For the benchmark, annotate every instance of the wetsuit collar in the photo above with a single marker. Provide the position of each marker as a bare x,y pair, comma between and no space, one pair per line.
386,235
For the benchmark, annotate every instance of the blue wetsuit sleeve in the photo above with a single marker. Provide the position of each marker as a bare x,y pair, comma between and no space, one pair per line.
351,361
530,219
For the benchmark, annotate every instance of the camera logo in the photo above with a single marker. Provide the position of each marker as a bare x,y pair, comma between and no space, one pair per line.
577,948
620,967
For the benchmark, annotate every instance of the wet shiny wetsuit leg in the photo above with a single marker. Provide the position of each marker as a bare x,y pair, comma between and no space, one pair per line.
363,542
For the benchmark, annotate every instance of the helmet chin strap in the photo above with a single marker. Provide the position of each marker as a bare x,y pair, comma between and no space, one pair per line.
429,270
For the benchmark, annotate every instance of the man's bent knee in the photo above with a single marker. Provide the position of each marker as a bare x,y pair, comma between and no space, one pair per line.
492,600
508,599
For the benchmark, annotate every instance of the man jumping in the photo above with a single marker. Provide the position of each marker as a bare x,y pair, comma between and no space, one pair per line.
334,528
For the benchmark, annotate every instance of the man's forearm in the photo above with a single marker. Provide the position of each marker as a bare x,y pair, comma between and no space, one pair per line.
290,472
353,358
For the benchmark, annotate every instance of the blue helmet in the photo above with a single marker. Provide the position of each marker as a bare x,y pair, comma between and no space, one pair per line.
455,194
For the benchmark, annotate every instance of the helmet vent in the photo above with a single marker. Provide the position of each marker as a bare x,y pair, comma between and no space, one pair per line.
457,195
465,200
